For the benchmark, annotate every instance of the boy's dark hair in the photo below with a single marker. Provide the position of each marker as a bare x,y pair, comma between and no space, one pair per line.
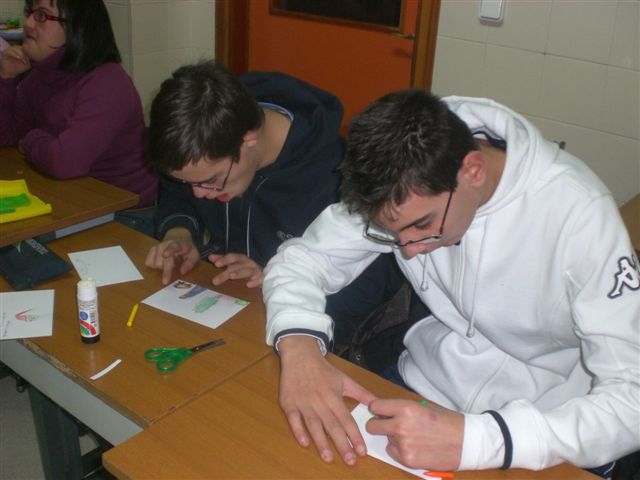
405,142
89,36
201,111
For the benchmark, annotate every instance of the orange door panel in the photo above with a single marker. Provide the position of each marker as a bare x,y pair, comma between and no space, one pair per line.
356,63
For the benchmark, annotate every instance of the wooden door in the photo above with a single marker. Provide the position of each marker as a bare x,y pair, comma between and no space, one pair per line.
358,60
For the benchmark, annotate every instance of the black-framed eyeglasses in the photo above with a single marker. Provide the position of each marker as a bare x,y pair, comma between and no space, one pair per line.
211,183
381,235
41,16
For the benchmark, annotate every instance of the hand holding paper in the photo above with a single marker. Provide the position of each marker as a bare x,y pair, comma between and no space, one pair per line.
403,415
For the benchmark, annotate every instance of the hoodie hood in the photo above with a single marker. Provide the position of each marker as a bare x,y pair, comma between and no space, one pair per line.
317,117
524,143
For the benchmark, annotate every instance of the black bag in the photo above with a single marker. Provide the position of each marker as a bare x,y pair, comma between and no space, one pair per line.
29,262
378,340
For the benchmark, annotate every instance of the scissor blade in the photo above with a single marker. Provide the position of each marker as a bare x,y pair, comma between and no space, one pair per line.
205,346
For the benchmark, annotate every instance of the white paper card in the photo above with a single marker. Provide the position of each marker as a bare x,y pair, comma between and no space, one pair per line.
377,444
106,266
26,314
196,303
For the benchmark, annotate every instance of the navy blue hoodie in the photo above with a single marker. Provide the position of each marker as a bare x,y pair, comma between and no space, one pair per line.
285,196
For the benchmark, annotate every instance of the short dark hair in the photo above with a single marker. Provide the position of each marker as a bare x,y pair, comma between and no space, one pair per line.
89,36
203,110
405,142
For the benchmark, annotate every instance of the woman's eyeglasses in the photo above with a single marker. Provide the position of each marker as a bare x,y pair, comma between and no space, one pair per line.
41,16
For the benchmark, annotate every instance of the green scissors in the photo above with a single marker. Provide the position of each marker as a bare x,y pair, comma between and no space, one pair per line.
168,359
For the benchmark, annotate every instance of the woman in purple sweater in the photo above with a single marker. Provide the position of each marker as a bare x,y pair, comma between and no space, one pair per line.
69,104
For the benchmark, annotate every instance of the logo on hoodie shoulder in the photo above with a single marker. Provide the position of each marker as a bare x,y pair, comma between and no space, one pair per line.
283,236
628,276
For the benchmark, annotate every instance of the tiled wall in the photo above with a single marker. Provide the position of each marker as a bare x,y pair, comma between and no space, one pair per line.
11,8
157,36
570,66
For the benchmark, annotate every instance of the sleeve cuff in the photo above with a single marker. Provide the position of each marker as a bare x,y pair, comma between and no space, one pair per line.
483,444
324,344
506,437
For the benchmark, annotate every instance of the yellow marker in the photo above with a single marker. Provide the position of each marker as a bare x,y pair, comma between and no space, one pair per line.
132,316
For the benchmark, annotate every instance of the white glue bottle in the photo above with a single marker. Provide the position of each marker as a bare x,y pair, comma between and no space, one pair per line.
88,311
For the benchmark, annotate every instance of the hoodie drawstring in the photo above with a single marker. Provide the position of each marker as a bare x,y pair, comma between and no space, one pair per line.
424,284
226,227
264,179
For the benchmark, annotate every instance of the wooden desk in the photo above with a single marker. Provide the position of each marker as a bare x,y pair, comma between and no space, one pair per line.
630,212
134,394
74,201
238,430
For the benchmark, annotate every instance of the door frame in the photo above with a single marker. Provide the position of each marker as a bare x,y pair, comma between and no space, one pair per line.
232,38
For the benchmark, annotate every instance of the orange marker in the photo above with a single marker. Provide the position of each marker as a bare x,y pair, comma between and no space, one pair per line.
433,473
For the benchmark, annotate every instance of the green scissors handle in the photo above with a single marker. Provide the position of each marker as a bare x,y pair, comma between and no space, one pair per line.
168,359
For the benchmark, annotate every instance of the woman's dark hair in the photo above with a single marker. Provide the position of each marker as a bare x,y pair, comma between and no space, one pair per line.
89,36
203,110
405,142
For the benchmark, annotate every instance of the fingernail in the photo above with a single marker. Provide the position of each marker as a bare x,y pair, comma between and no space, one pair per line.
303,441
361,450
350,459
327,456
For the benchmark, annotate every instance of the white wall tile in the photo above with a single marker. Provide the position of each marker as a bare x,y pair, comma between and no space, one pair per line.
150,69
582,29
180,30
572,91
525,25
202,19
149,27
513,77
625,49
459,67
11,9
621,106
127,65
121,23
615,159
191,23
459,19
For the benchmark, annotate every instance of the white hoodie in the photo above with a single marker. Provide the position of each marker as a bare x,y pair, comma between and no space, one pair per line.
535,314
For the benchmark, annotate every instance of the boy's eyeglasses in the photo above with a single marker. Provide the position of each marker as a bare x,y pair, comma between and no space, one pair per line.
210,184
41,16
381,235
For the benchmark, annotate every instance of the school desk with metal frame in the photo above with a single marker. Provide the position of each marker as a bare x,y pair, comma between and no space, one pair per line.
77,204
133,395
237,430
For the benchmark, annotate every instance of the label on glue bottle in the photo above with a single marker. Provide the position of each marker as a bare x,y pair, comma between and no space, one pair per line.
88,311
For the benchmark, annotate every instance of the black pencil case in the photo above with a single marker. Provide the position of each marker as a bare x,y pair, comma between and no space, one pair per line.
28,263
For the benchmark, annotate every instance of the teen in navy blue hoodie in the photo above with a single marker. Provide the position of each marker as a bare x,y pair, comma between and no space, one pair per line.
249,163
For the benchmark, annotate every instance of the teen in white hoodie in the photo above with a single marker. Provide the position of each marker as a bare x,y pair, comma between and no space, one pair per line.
518,249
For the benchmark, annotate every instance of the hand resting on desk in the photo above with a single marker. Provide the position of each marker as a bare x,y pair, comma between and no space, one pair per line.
311,396
177,244
237,266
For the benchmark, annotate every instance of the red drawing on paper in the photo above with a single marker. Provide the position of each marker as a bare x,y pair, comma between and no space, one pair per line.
22,316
